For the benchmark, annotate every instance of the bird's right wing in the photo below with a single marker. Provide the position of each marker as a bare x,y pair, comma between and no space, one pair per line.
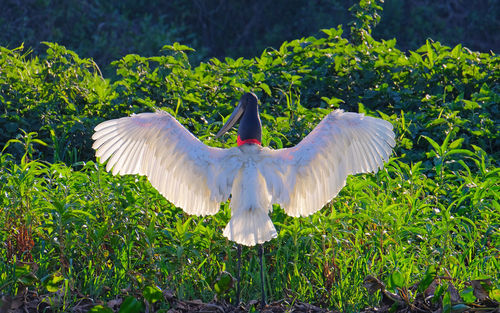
302,179
190,174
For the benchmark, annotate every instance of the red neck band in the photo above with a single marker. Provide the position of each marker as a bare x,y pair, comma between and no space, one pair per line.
251,140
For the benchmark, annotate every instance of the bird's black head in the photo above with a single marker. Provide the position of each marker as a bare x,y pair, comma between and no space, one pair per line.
247,112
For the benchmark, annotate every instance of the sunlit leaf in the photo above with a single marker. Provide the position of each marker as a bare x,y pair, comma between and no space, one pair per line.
152,294
468,295
495,294
396,279
54,283
446,303
100,309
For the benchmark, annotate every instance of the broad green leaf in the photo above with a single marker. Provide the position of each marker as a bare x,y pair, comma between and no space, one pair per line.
437,121
100,309
152,294
396,279
457,51
446,302
456,143
445,146
495,294
266,88
54,283
224,283
434,144
430,53
131,305
468,295
461,151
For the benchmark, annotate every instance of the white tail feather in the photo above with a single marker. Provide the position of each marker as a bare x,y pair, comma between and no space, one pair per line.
250,227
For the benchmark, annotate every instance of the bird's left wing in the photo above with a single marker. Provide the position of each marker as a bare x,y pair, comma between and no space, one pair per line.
302,179
190,174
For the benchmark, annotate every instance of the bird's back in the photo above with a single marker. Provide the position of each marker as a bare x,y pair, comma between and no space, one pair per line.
250,223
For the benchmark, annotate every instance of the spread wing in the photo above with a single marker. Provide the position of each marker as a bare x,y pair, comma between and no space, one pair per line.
191,175
302,179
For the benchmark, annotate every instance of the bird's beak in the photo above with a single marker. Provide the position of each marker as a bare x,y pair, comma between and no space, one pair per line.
238,111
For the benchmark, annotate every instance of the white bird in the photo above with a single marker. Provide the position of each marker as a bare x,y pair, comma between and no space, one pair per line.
197,178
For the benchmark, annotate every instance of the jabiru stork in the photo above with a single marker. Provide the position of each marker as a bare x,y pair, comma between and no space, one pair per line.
197,178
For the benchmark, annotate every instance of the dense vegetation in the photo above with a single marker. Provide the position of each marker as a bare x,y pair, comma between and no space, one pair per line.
72,231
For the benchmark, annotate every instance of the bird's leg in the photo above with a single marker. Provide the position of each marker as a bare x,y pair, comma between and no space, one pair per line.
238,276
263,299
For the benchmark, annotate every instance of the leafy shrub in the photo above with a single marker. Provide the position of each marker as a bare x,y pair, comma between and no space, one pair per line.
435,89
55,96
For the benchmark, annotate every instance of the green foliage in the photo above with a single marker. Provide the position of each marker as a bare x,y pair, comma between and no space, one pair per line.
72,228
367,16
430,91
55,96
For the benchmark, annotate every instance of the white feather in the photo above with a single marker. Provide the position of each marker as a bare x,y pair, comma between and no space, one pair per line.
317,168
195,177
177,164
250,203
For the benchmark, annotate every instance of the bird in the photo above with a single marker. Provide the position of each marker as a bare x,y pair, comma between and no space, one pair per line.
197,177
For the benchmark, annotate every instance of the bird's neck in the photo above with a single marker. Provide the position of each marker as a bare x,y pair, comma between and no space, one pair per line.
241,142
250,129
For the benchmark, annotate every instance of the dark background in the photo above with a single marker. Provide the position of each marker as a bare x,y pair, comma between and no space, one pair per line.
106,30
